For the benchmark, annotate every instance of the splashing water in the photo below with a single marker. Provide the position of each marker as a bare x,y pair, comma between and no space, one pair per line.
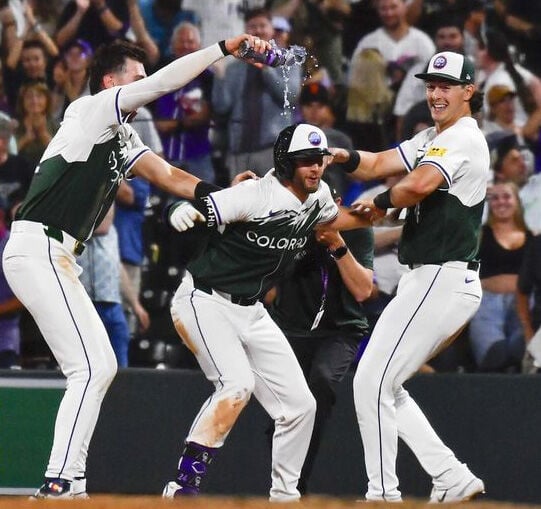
294,55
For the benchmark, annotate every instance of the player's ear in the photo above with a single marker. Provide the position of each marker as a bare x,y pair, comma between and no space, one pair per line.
108,81
469,89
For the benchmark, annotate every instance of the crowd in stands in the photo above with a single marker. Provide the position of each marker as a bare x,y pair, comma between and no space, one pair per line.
358,85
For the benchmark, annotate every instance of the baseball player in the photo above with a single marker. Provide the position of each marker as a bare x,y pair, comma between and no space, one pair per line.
73,187
259,227
443,191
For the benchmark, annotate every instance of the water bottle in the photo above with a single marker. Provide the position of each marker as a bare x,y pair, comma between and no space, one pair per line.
274,57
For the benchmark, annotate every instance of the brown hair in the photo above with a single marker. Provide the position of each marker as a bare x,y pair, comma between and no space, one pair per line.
518,216
38,86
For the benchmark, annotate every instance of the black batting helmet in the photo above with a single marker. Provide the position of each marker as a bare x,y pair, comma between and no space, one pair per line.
298,141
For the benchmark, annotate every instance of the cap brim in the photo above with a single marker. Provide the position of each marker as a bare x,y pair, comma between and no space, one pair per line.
309,152
440,76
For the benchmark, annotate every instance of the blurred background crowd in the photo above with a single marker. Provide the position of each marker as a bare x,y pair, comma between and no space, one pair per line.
357,84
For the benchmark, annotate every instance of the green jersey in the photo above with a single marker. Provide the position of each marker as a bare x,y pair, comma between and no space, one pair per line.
78,176
314,284
263,230
446,225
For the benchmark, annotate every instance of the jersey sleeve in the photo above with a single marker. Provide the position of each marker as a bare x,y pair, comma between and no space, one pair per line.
236,203
409,150
361,244
330,209
136,148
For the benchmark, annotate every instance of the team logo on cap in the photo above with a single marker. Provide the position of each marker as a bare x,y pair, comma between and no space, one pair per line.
314,138
440,62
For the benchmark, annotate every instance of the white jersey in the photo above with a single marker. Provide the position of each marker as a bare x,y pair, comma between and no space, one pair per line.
415,46
461,154
263,227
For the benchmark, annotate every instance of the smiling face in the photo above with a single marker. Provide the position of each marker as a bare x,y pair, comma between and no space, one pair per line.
504,202
447,102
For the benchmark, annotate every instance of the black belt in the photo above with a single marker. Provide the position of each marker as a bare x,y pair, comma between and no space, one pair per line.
58,234
470,265
235,299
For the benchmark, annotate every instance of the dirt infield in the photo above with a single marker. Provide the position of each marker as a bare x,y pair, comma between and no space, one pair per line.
138,502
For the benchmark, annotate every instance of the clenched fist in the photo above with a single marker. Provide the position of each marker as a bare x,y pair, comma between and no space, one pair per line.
184,216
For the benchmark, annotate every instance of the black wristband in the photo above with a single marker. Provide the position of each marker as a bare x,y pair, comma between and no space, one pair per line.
223,48
339,252
383,200
351,165
204,189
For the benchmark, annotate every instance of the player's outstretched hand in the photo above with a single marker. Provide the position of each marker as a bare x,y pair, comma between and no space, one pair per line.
340,155
184,217
368,210
260,45
245,175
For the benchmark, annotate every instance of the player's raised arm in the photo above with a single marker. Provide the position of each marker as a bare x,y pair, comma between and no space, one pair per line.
362,165
181,71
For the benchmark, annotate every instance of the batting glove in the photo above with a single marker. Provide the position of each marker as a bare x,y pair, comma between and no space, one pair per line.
184,217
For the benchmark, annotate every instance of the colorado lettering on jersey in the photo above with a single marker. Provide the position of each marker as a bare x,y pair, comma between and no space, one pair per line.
283,243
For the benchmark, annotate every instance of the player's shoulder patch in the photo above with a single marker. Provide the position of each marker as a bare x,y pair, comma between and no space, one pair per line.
436,151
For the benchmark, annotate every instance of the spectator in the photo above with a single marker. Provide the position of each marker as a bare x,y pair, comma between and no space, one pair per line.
33,65
161,17
318,307
474,25
400,44
240,90
523,21
448,36
316,109
101,277
282,31
501,121
369,101
77,57
183,117
498,68
496,335
220,18
10,307
131,202
139,34
36,123
529,291
318,26
511,165
94,21
15,171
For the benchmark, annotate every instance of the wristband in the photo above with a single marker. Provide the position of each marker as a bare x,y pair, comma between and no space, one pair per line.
224,49
339,252
354,160
383,200
36,27
203,189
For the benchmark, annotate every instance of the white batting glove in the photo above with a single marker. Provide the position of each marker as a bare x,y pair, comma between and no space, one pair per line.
184,217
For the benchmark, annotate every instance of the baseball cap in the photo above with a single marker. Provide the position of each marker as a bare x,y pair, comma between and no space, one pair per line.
314,92
281,23
307,141
83,45
499,92
449,66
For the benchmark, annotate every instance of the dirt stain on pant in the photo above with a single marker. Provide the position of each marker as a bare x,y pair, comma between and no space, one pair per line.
183,333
